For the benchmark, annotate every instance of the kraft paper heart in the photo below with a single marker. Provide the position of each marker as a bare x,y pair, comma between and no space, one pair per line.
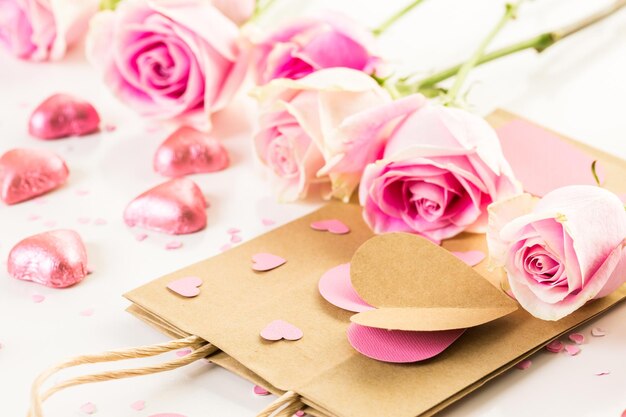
333,226
187,287
28,173
280,329
266,261
175,207
62,115
416,285
189,151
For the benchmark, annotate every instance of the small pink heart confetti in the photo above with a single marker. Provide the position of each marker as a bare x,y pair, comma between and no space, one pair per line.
472,257
235,239
300,413
187,286
138,405
233,231
523,365
88,408
598,332
602,373
267,222
554,346
62,115
280,329
572,350
266,261
333,226
260,390
183,352
577,338
174,244
109,127
38,298
141,237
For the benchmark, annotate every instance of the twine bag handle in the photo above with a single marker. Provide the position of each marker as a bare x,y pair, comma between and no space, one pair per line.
201,349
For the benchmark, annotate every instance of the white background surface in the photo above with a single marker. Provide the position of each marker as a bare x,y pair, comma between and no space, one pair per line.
577,88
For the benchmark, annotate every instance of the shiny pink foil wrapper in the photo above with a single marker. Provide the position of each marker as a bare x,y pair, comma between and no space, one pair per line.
175,207
56,259
62,115
189,151
28,173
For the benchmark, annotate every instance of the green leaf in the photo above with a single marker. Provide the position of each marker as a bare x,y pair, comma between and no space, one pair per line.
109,4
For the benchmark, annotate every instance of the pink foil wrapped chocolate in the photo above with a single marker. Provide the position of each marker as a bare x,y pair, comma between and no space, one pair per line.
28,173
62,115
56,259
175,207
189,151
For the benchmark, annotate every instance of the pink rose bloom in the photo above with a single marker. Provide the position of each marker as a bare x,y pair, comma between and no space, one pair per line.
239,11
561,251
308,45
441,169
324,129
168,58
43,29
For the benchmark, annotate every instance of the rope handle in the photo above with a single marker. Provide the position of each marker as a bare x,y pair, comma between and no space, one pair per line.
201,349
284,406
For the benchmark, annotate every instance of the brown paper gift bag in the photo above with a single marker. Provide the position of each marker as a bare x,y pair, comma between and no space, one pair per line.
322,371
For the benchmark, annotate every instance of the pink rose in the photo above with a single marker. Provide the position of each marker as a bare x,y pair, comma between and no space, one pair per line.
168,58
441,169
561,251
43,29
308,45
324,129
239,11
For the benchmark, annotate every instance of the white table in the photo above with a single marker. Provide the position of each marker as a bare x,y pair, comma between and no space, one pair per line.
577,88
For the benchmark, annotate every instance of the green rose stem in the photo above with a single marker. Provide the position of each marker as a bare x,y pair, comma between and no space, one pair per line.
261,7
509,14
109,4
395,17
539,43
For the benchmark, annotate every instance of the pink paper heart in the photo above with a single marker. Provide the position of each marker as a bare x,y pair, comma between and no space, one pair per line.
138,405
28,173
333,226
175,207
187,286
88,408
577,338
280,329
62,115
472,257
399,346
523,365
57,259
598,332
266,261
189,151
335,286
555,346
260,390
572,350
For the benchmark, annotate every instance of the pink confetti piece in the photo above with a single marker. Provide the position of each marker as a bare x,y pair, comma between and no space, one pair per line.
141,237
183,352
598,332
266,261
100,222
233,231
577,338
174,244
268,222
334,226
138,405
33,217
280,329
554,346
88,408
300,413
602,373
38,298
523,365
87,312
83,220
572,350
109,127
235,238
260,390
225,247
186,287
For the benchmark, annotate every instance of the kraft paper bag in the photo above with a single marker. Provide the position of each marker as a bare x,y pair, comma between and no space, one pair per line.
236,303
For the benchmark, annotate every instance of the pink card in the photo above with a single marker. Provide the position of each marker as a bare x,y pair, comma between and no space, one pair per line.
541,160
